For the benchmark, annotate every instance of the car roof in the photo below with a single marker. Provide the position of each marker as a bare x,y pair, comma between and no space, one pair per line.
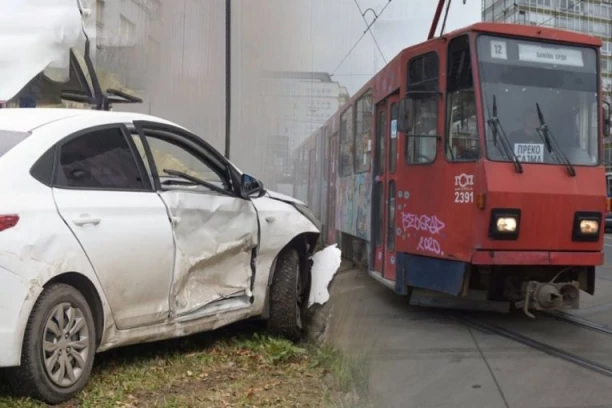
28,119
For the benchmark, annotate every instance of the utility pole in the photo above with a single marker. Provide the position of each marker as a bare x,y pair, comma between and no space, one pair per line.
228,75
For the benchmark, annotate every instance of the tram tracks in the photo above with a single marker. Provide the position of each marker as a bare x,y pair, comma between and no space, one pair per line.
515,335
578,321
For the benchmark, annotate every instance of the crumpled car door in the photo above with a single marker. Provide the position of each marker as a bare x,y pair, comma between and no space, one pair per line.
215,232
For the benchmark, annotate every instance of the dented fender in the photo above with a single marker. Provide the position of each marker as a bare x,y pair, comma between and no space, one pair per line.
280,223
17,298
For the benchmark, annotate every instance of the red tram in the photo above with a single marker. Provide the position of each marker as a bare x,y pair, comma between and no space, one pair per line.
468,172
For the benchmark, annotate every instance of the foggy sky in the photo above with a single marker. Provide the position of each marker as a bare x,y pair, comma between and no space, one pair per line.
184,81
323,32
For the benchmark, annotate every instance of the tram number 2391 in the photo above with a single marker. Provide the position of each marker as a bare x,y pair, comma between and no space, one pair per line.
463,197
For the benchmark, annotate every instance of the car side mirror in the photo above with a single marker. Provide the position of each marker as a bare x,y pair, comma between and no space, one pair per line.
249,186
606,119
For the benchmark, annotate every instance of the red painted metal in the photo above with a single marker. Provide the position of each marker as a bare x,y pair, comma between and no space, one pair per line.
392,176
537,258
424,194
436,19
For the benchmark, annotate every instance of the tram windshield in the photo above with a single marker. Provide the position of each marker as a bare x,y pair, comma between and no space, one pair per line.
520,78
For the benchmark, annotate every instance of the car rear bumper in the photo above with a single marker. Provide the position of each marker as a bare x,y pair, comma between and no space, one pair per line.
537,258
17,297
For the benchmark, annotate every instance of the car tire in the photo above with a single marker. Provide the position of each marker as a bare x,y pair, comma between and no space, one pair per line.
32,378
287,297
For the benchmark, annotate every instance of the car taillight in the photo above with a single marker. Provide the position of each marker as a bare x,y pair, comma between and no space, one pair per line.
8,221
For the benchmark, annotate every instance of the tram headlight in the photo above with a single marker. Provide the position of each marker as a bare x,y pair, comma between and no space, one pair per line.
589,226
504,223
586,226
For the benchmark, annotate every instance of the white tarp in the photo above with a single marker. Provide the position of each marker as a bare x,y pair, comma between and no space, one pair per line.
35,34
325,265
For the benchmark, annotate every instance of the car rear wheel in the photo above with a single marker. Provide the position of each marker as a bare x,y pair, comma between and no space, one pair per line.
58,348
288,297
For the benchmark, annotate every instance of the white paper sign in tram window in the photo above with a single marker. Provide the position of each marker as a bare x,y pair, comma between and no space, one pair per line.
498,50
548,55
393,128
529,152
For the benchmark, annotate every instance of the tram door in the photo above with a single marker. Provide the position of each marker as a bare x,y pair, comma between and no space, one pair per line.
384,188
331,206
312,168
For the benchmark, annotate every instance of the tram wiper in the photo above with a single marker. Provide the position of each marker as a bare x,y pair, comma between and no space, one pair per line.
549,139
505,147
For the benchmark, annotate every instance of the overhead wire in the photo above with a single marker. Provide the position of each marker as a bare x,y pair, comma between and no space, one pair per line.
360,38
368,29
445,16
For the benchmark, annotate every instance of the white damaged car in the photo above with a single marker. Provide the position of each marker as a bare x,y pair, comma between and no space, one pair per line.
120,228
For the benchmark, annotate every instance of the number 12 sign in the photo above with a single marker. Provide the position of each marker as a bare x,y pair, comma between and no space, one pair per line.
498,50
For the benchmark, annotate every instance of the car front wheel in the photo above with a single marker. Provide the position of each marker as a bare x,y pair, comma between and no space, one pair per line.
288,297
58,348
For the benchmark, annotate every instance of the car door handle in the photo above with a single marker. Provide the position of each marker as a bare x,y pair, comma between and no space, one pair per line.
84,220
175,220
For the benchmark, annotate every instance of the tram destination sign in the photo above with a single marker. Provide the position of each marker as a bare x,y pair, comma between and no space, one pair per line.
535,53
548,55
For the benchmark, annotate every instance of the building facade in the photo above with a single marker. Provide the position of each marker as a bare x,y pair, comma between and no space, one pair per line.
127,34
301,103
592,17
171,53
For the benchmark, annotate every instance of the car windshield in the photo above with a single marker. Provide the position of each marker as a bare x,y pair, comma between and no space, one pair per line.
517,76
10,139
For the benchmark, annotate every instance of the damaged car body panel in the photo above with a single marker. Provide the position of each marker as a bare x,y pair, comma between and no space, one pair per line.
36,247
281,225
159,233
127,222
215,230
214,236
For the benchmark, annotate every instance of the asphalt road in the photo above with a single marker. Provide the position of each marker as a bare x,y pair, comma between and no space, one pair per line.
608,249
421,358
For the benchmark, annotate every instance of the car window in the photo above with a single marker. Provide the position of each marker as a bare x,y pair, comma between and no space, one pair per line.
171,155
101,159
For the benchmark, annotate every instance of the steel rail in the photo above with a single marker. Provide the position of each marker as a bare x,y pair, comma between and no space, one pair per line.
578,321
527,341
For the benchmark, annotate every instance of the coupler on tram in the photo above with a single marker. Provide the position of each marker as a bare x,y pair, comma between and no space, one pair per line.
534,287
504,288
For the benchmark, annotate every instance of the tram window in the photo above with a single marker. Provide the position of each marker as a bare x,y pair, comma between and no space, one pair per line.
421,140
363,133
393,139
462,140
346,143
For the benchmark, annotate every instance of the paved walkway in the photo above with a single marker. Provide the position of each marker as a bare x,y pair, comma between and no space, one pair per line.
419,358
